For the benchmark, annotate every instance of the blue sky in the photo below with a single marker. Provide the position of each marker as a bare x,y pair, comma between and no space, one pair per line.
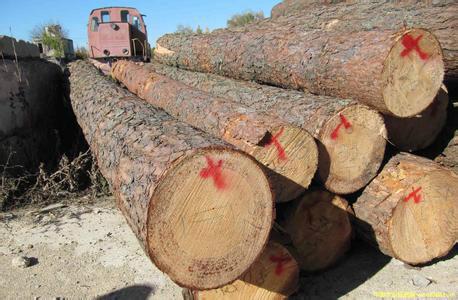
162,16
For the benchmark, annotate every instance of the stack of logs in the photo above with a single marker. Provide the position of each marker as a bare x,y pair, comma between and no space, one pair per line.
230,154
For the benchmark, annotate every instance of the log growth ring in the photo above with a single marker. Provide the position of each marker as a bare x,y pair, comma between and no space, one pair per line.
413,73
234,217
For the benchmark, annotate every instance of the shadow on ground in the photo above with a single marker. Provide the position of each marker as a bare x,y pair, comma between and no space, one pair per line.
134,292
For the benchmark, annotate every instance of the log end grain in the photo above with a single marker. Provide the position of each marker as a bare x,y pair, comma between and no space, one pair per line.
320,229
351,149
416,133
275,275
413,73
210,218
292,153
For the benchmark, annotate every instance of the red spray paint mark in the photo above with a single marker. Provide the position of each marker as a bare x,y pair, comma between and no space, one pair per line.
280,263
412,44
214,171
280,149
416,197
344,122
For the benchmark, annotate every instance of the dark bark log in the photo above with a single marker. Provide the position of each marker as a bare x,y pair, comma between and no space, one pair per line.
345,164
410,210
440,18
287,150
373,67
173,182
449,157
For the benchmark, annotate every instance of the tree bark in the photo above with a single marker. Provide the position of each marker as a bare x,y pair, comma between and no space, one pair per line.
347,162
440,18
275,275
173,182
410,210
397,72
319,226
290,152
449,157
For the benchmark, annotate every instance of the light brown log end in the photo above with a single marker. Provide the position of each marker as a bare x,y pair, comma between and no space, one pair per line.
320,229
413,73
292,153
275,275
210,218
418,132
351,149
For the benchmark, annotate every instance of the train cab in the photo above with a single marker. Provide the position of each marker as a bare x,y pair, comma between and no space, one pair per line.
117,32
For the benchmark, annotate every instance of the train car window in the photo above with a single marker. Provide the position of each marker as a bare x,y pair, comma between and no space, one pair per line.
125,16
105,16
95,24
136,22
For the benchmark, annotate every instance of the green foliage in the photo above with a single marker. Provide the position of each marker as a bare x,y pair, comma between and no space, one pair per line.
181,29
81,53
51,34
199,30
244,18
53,42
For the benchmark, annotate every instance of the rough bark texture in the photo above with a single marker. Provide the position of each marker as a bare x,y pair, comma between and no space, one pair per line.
319,226
369,66
311,112
449,157
410,209
294,156
142,152
439,17
275,275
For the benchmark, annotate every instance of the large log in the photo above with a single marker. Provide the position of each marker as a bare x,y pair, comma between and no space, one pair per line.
399,72
439,17
319,227
201,210
449,157
410,210
274,276
289,151
347,162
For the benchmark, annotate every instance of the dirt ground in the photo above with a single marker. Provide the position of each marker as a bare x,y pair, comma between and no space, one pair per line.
85,250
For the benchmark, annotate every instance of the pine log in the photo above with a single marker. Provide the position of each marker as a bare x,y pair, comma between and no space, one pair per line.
440,18
347,162
275,275
399,72
420,131
449,157
201,210
289,151
319,226
410,210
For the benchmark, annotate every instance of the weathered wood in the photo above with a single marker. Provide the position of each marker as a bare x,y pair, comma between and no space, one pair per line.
173,183
420,131
319,226
410,210
440,17
346,163
275,275
399,72
289,151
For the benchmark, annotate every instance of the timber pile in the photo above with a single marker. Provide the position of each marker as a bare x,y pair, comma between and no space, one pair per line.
302,93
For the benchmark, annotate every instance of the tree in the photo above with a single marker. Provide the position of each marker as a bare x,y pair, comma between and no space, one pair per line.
81,53
50,34
184,29
244,18
199,30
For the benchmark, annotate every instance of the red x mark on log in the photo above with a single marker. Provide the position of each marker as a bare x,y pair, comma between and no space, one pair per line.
416,197
344,122
214,171
280,263
274,140
412,44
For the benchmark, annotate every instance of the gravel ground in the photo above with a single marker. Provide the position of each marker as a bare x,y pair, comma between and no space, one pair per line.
87,251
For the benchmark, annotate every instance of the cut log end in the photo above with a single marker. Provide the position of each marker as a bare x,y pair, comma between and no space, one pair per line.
424,224
413,73
292,153
217,193
274,275
351,149
320,229
411,134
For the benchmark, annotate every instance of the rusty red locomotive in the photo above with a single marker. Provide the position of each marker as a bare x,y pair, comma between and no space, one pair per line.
117,32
